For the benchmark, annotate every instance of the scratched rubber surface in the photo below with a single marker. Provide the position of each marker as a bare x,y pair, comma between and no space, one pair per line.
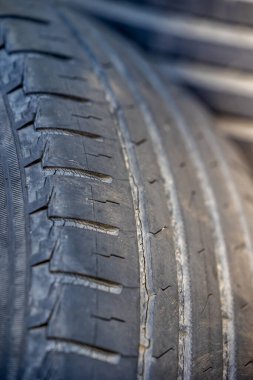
125,239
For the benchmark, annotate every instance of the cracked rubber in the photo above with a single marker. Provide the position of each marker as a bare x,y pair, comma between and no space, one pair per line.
125,238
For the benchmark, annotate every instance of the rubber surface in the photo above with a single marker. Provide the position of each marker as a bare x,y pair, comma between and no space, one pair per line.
126,239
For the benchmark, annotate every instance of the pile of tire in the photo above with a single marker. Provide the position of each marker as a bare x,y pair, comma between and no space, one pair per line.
126,228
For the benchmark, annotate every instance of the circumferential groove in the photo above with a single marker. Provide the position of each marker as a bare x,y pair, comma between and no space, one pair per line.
181,252
136,184
70,132
81,349
86,281
81,173
86,224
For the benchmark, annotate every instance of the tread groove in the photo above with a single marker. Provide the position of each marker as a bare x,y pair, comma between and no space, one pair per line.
63,171
58,345
86,224
69,132
87,281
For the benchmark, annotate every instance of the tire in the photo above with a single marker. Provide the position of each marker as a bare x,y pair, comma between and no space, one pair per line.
126,225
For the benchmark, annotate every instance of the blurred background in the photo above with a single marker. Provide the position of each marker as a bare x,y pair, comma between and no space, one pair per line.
206,46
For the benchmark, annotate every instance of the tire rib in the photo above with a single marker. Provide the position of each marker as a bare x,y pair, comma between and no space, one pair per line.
226,298
146,281
185,303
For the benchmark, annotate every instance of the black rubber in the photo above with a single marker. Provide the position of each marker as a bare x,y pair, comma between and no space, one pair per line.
125,233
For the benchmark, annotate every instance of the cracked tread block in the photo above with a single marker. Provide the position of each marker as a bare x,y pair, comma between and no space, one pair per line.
78,202
89,259
73,152
122,278
89,118
105,319
22,36
70,79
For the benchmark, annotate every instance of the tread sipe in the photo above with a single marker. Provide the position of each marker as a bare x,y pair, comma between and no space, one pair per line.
126,249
